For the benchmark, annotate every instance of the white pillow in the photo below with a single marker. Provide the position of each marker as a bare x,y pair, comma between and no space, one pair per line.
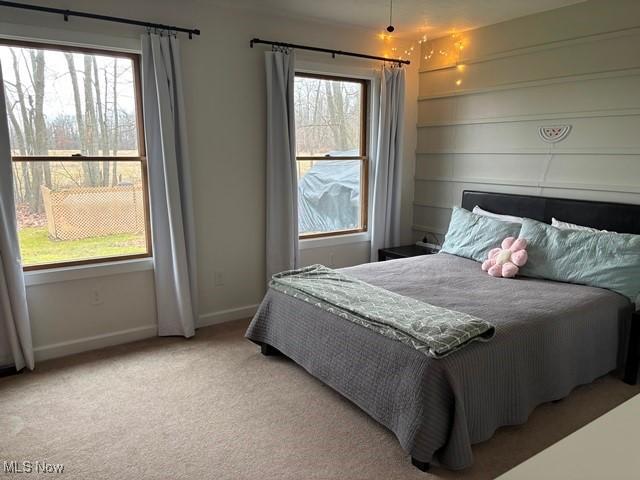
504,218
572,226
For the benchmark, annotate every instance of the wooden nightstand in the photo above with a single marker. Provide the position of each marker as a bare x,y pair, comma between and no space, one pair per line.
405,251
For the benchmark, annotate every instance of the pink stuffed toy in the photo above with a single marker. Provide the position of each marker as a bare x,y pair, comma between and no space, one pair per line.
506,261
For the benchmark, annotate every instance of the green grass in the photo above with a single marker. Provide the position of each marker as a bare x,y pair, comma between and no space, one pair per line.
37,248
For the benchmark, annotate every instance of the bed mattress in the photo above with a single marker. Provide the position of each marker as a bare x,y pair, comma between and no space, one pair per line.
550,338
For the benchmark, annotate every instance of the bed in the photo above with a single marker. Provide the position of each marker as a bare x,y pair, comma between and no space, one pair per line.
550,337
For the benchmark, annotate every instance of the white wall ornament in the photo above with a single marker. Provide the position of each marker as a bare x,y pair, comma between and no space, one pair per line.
554,133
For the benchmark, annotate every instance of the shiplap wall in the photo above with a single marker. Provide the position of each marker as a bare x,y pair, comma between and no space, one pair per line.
478,123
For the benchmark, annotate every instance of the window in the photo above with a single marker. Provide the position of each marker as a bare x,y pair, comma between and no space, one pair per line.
77,143
331,154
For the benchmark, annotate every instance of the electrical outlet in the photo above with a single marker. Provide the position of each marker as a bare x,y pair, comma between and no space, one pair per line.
218,278
96,297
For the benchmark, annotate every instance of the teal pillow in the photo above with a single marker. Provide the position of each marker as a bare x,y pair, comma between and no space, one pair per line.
598,259
472,236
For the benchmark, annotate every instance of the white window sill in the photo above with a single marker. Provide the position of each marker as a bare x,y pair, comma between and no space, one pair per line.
65,274
334,241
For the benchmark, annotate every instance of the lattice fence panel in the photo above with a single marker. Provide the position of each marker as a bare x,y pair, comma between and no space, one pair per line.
76,213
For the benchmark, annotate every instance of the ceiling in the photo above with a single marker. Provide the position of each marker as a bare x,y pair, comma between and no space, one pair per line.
410,17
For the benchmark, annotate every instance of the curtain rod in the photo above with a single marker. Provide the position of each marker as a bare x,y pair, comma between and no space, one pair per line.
328,50
73,13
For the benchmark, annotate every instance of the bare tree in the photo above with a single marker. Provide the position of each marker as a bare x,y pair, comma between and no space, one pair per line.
37,79
24,191
90,169
338,114
114,173
40,125
31,130
99,126
73,74
16,130
101,121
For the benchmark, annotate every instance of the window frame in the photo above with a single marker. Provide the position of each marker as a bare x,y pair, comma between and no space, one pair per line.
363,157
141,157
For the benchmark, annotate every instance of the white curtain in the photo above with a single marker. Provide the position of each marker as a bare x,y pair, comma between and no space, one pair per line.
387,189
172,218
282,184
15,329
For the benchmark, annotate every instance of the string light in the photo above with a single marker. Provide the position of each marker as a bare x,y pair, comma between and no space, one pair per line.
458,46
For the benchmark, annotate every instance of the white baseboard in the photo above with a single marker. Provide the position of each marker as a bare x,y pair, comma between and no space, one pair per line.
222,316
70,347
79,345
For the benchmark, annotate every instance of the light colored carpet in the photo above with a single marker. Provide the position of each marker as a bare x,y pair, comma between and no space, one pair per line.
212,407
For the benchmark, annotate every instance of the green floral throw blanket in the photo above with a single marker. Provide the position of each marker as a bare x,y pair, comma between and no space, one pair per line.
435,331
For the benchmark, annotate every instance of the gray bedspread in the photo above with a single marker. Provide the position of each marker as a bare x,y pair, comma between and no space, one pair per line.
435,331
550,337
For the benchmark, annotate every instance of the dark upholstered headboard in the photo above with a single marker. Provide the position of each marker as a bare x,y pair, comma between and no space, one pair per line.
615,217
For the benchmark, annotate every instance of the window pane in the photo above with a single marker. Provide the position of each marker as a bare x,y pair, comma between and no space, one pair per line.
62,103
69,211
328,117
328,195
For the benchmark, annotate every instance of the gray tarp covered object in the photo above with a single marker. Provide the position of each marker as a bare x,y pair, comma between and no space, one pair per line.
329,195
